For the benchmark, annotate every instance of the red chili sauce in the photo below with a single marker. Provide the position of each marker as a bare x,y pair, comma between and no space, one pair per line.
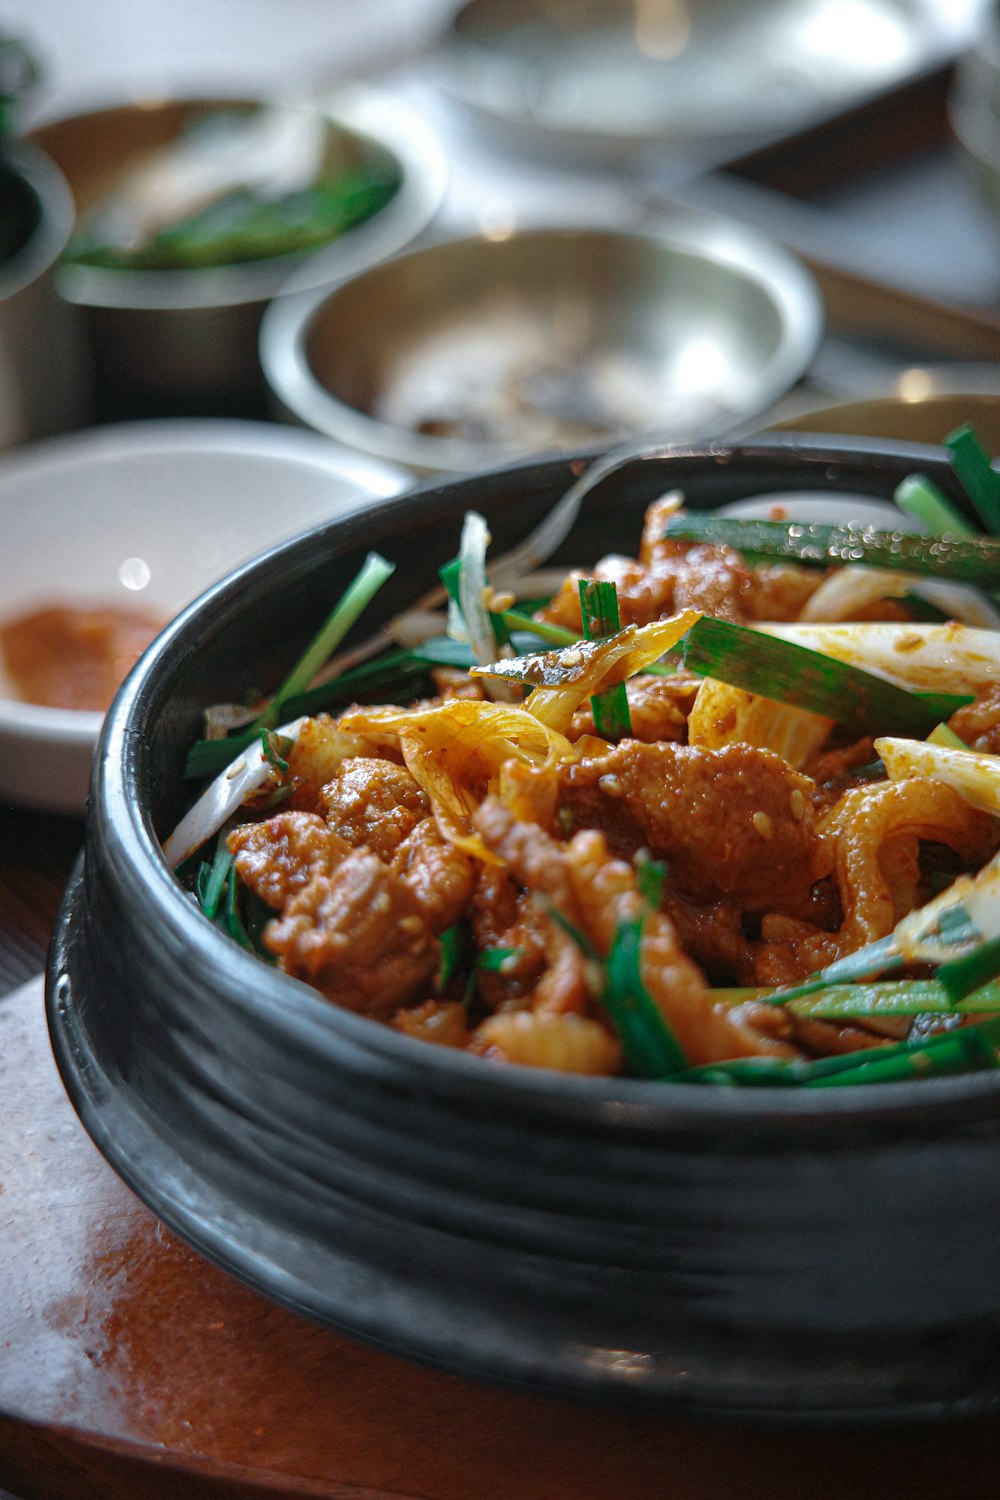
74,658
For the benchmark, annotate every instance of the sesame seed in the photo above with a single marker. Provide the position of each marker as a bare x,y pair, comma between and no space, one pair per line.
763,824
797,803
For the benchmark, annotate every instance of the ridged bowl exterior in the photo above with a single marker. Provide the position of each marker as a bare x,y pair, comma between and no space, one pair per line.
764,1254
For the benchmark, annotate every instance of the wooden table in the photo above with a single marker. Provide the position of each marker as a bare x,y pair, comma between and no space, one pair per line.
37,851
130,1366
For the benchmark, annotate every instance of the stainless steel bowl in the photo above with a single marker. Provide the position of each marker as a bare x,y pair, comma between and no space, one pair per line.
461,354
193,334
603,78
974,106
44,375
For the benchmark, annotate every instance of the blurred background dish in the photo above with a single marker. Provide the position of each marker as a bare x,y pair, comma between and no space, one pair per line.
183,337
607,77
139,518
44,370
923,405
974,105
458,355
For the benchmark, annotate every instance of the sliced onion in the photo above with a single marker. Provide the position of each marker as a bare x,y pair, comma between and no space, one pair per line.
472,583
540,544
958,600
951,658
974,775
916,937
452,749
247,774
847,590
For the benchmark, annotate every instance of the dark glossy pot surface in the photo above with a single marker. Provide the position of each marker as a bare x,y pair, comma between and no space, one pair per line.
822,1256
45,377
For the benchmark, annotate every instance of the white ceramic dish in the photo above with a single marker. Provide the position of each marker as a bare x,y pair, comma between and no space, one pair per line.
147,514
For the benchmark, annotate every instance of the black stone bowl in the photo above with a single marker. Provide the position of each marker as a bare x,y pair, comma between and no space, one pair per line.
760,1254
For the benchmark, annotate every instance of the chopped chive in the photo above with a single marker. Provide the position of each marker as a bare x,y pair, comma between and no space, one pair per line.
946,737
449,574
893,998
899,997
358,594
453,946
963,976
965,1050
215,876
392,668
919,497
601,618
275,747
256,916
650,1047
965,559
765,1071
863,963
952,925
230,912
979,479
556,635
793,674
581,939
494,959
209,757
650,878
442,651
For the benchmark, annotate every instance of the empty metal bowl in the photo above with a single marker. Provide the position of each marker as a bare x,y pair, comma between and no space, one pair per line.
461,354
188,336
44,375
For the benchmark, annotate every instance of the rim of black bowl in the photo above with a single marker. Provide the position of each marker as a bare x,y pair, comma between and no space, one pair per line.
125,826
